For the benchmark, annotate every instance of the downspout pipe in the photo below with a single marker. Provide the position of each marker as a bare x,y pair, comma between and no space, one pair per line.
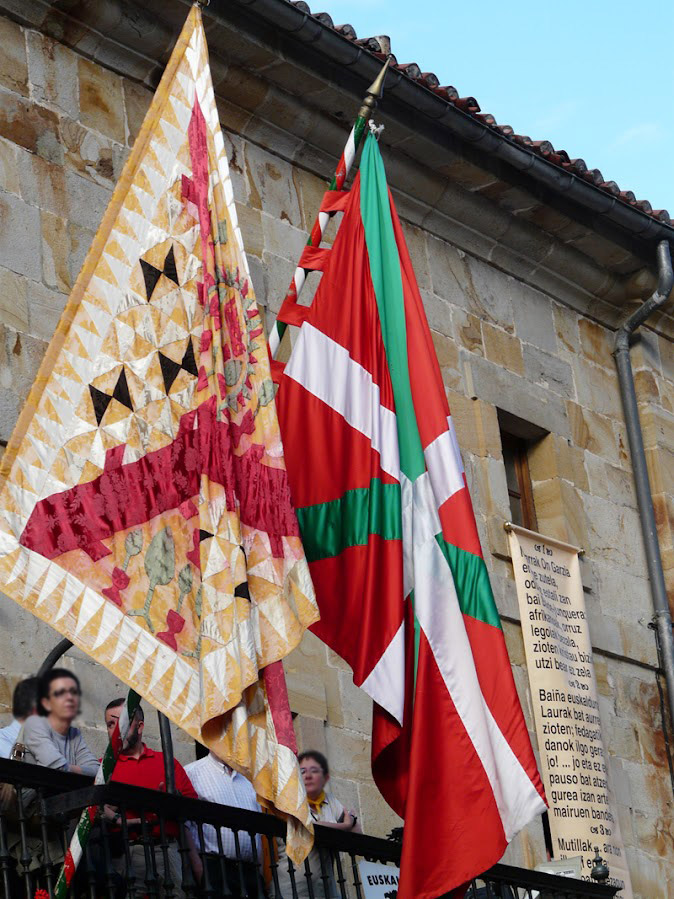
621,353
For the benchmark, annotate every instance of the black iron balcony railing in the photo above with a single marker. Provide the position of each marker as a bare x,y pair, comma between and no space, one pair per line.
142,847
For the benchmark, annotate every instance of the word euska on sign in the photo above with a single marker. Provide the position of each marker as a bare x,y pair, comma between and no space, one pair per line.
559,659
379,881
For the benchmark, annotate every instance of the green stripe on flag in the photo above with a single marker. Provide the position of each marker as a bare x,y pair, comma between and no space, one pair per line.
375,211
330,528
382,250
472,583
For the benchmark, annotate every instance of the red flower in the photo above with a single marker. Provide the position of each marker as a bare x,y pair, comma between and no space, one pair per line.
113,594
175,624
168,638
175,621
120,578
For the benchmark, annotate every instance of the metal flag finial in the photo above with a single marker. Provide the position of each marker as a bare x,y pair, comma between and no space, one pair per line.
375,91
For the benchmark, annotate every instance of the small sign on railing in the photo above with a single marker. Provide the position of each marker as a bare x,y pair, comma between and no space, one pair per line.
379,881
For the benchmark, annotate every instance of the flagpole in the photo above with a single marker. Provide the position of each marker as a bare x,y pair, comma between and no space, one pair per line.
82,833
374,93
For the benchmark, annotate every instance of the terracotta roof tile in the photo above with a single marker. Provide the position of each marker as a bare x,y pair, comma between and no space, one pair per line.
380,47
447,92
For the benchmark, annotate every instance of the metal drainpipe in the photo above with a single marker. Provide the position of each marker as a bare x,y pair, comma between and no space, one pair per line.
621,353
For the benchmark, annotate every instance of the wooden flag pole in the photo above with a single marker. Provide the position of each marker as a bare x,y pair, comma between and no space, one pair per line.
84,826
374,93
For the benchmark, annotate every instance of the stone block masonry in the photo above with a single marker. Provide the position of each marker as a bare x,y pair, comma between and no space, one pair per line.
503,342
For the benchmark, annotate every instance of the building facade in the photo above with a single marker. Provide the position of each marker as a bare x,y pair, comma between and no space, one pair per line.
526,263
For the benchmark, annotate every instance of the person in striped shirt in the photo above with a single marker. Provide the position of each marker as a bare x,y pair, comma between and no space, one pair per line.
215,781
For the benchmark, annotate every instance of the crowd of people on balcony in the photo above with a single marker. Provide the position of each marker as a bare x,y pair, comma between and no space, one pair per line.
42,733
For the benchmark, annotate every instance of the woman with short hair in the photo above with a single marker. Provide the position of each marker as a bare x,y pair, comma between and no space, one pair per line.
49,737
326,811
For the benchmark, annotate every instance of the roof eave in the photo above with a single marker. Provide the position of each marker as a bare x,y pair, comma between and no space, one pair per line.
318,47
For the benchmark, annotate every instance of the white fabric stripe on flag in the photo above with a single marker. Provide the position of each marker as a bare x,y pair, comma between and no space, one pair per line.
325,369
444,465
455,443
386,682
407,502
437,609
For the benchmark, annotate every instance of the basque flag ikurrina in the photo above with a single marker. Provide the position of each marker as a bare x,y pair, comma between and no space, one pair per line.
388,528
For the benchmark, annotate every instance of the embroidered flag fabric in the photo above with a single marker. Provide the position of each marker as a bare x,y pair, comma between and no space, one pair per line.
145,512
388,528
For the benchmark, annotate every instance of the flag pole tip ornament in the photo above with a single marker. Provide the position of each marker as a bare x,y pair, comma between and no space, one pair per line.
146,511
375,91
394,553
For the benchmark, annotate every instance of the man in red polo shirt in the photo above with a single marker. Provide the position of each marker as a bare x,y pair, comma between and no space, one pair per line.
141,766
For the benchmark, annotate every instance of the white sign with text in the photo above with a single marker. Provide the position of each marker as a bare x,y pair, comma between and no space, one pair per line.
379,881
566,707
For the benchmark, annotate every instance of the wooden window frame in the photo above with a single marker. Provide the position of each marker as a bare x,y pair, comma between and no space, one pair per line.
518,448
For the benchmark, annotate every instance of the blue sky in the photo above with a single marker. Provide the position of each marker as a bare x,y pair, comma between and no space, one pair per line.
596,78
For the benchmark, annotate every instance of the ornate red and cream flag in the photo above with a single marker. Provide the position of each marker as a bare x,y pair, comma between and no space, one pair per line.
145,511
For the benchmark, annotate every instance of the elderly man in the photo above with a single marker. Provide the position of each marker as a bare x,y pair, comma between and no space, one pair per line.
24,704
215,781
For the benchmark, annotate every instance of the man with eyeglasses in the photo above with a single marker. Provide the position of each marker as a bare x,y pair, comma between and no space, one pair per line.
49,737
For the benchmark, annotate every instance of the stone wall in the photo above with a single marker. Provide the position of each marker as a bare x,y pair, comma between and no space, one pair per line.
65,128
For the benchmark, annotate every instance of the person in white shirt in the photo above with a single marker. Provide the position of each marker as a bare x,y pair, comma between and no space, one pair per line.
24,704
215,781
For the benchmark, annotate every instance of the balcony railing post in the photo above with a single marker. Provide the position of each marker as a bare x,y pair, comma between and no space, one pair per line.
206,884
46,854
26,857
309,878
151,879
259,874
128,861
341,882
110,881
273,864
293,881
239,863
356,876
168,886
189,886
221,860
5,858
